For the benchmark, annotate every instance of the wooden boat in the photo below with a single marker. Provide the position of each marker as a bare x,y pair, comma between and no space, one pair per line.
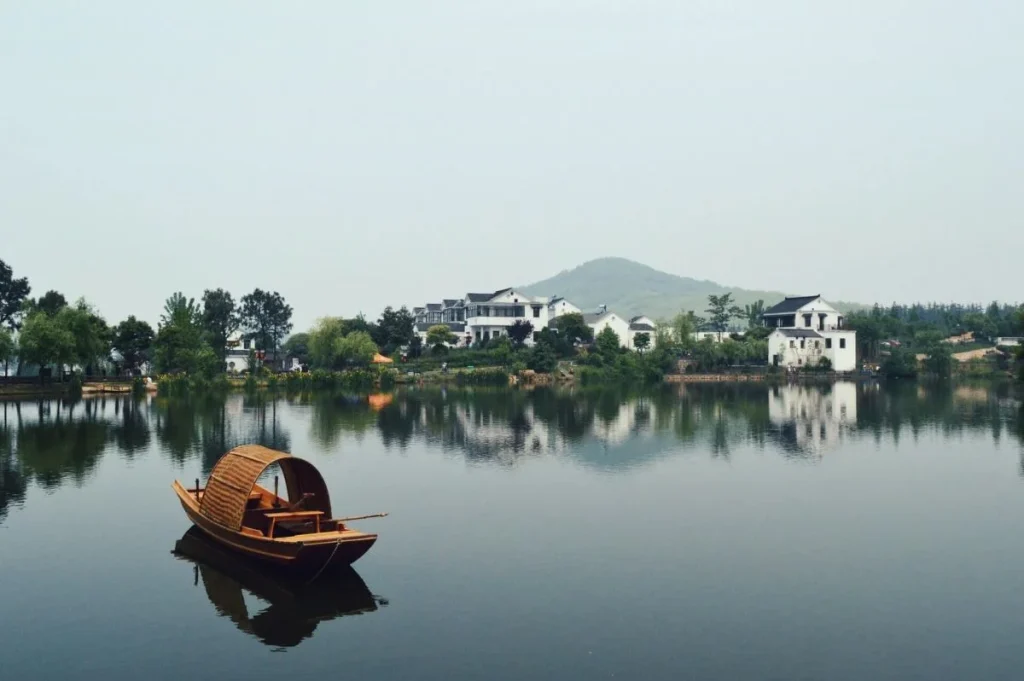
295,607
297,532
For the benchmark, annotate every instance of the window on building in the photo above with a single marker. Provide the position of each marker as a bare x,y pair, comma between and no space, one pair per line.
792,344
817,345
803,343
828,343
807,320
536,311
842,343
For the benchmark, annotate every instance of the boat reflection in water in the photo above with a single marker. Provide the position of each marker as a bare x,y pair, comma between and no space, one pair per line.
296,607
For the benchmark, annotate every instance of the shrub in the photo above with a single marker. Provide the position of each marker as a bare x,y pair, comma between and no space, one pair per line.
490,376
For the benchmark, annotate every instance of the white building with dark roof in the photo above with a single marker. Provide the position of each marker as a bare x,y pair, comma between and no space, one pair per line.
478,317
606,319
807,330
639,325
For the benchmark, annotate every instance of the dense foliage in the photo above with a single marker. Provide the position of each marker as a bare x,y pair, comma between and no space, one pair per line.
333,345
13,293
896,335
266,318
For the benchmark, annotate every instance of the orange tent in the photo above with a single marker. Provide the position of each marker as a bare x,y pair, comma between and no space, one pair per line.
381,359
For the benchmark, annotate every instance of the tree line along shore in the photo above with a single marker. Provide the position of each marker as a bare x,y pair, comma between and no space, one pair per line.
191,345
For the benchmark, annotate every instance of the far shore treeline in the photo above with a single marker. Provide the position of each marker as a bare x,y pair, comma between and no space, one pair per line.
192,337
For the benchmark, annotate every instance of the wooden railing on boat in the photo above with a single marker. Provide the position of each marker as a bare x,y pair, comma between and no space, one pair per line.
293,515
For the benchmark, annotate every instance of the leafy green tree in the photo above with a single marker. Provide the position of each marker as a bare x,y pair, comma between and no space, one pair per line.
501,350
542,358
180,348
415,346
179,345
324,341
901,363
13,293
297,346
573,328
757,333
219,320
939,360
266,318
44,341
869,332
519,331
181,311
642,341
51,303
754,312
90,331
8,348
607,342
133,340
357,348
706,354
684,325
440,336
720,310
360,323
394,329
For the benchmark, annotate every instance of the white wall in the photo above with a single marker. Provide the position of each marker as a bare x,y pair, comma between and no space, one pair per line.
843,358
790,352
617,324
792,355
562,307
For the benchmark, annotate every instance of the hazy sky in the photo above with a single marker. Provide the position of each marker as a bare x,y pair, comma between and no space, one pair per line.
356,154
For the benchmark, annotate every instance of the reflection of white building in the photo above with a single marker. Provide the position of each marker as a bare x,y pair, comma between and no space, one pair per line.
813,418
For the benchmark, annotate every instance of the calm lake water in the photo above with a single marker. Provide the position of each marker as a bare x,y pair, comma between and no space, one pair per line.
705,532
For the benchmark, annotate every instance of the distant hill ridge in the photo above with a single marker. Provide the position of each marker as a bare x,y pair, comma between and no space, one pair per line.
630,288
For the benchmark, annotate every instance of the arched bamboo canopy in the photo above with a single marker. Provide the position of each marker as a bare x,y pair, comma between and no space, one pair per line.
235,474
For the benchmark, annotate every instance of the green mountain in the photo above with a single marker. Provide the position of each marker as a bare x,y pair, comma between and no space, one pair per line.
629,288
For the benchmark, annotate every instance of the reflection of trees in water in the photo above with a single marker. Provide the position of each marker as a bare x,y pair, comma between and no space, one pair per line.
500,425
950,410
59,445
131,428
210,425
53,441
12,482
335,414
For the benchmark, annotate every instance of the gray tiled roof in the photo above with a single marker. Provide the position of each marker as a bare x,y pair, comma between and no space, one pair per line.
790,305
800,333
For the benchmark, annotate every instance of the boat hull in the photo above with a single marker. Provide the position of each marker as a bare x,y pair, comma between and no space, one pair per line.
317,553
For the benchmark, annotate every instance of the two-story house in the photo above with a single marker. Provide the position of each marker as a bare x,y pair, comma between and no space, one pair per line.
806,329
488,315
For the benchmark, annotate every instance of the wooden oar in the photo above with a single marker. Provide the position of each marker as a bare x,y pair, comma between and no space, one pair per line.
361,517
